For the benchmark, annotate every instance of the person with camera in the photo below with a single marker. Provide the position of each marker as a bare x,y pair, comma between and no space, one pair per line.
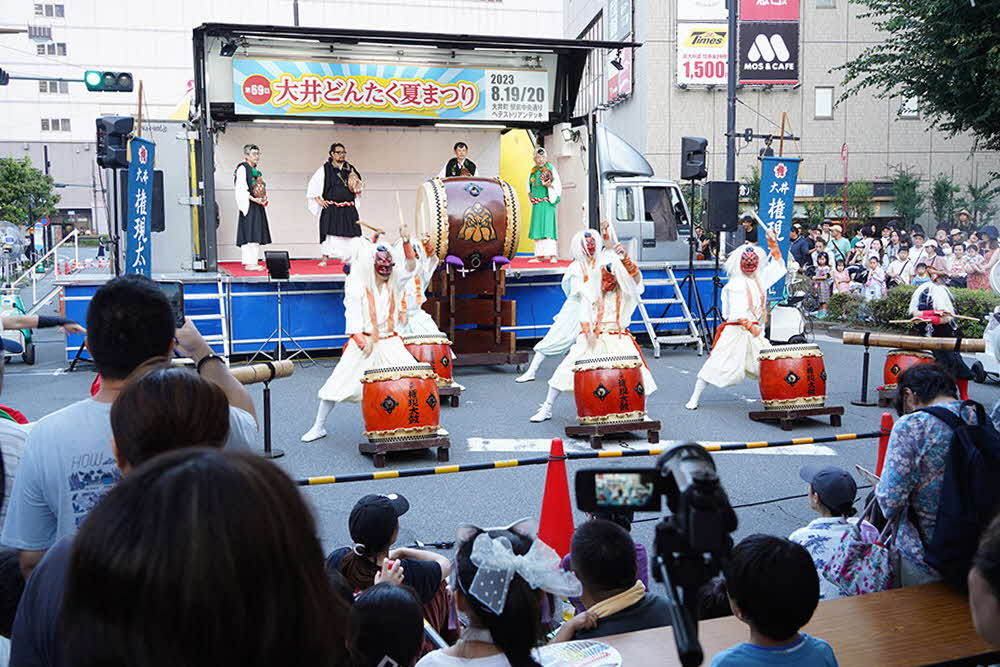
332,194
252,230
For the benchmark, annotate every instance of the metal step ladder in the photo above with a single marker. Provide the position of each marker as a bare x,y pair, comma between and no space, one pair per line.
693,335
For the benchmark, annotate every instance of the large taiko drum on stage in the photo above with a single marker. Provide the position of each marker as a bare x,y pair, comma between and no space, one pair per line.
792,376
400,402
609,389
474,219
898,361
435,351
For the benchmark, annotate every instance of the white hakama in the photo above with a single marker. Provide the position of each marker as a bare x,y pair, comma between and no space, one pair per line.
566,324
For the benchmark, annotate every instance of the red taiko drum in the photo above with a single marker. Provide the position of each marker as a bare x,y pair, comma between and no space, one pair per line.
474,219
433,350
609,389
792,376
898,361
400,402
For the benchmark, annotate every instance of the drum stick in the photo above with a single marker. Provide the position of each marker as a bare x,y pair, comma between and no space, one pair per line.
371,227
399,209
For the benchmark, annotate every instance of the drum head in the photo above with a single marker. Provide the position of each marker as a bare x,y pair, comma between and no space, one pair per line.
431,215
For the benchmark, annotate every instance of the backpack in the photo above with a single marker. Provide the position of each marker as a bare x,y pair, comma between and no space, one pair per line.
970,494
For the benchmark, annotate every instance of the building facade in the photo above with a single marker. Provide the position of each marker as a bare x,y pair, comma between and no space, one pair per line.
880,135
152,40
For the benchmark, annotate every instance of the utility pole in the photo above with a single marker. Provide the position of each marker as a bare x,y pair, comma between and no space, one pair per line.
733,6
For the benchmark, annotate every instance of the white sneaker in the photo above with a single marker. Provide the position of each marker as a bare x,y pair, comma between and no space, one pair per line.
527,376
544,413
691,405
315,433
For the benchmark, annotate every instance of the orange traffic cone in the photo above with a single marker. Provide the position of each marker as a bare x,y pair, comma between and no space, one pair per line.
883,441
556,525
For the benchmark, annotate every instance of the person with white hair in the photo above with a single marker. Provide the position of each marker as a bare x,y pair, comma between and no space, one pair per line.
608,301
373,296
739,340
586,246
933,312
252,230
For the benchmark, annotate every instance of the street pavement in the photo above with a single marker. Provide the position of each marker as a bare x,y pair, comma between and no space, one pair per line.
492,423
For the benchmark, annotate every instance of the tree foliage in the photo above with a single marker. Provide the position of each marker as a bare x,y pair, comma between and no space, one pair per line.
943,191
909,198
860,202
980,202
752,183
26,194
944,53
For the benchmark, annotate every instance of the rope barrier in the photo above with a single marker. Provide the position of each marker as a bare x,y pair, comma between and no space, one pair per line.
571,456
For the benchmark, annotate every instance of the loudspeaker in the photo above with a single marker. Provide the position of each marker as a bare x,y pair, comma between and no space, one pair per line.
693,151
278,264
722,199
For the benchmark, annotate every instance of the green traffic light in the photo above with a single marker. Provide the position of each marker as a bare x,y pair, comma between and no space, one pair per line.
93,80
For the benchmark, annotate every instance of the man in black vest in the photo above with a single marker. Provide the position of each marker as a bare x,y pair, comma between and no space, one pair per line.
332,193
252,230
459,165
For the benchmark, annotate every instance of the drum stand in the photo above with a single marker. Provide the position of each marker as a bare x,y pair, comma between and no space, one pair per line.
379,448
866,360
786,416
280,335
596,432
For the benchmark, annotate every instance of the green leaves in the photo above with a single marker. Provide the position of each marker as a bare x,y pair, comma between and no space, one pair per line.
26,194
909,199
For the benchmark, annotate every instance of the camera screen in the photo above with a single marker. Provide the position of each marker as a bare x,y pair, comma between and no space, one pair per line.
630,489
174,292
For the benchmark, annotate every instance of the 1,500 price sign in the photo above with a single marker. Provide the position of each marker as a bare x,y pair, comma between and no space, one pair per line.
701,54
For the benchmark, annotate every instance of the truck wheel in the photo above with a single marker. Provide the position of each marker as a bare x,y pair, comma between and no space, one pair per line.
978,372
29,354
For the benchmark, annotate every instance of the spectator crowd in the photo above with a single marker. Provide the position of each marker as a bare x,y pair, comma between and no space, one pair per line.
877,258
141,530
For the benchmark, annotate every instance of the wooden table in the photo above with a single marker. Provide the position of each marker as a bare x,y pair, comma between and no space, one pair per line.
918,625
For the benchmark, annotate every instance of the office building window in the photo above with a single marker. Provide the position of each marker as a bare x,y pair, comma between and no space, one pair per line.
60,11
60,87
910,108
826,4
593,87
40,49
52,49
43,86
824,103
39,10
55,125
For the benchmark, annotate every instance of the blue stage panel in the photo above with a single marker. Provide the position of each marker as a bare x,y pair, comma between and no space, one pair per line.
312,313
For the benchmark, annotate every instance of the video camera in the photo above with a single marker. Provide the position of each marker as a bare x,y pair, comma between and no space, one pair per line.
691,542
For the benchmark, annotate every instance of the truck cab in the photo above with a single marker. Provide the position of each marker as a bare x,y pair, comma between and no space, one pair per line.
645,209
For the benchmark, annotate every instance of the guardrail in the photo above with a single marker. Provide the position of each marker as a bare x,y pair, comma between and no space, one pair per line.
31,271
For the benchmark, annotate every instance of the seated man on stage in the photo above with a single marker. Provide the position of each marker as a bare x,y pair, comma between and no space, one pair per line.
605,314
459,165
373,295
739,340
585,248
332,195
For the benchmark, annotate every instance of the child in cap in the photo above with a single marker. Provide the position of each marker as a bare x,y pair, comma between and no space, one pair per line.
832,493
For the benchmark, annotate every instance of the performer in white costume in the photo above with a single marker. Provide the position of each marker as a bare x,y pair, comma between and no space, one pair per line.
739,340
373,295
606,310
417,321
585,248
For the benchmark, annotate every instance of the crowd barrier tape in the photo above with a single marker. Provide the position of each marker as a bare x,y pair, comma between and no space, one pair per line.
572,456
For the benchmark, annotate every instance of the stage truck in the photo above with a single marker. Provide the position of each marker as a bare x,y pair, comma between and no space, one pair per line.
398,102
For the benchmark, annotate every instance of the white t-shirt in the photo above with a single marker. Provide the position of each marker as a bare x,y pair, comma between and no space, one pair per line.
68,466
12,437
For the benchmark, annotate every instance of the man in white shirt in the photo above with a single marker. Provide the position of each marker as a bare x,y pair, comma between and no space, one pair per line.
68,463
901,269
839,246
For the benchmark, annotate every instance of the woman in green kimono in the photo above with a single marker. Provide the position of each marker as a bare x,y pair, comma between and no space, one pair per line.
544,191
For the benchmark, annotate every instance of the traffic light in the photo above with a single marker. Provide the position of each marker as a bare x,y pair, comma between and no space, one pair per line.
108,82
4,77
112,141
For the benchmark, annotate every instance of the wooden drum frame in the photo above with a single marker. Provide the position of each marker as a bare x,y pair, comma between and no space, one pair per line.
792,376
475,219
609,389
400,402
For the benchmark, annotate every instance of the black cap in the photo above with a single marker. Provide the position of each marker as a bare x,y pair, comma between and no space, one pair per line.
834,486
375,518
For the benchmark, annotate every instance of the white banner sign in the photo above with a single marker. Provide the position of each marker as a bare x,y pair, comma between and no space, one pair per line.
701,54
701,10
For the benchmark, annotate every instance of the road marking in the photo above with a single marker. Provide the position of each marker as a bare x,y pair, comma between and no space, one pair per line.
572,445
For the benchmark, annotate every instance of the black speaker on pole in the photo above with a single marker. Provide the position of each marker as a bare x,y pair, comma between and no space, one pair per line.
722,200
693,154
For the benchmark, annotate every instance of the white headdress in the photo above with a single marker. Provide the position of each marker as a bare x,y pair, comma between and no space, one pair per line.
577,249
732,265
